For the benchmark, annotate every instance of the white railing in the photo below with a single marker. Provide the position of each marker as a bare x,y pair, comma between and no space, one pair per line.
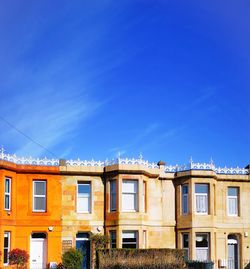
28,160
210,166
127,161
78,162
231,170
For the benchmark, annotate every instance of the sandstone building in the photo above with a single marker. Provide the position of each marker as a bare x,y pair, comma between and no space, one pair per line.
49,206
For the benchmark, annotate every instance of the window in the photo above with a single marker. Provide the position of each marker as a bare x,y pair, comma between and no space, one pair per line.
7,191
130,195
185,245
112,239
201,197
144,197
6,248
113,195
185,199
144,239
39,196
202,246
84,197
129,239
232,201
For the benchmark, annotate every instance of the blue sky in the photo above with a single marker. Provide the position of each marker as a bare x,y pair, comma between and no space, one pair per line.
90,79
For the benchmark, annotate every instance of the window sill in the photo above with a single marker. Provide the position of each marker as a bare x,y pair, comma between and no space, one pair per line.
83,212
133,211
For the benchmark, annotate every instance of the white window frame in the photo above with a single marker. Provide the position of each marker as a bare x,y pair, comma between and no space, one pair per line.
89,197
185,248
136,237
184,199
113,195
7,194
236,199
6,234
199,194
39,196
135,195
207,249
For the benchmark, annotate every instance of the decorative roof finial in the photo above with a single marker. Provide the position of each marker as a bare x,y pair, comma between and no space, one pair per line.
190,160
118,155
2,150
140,156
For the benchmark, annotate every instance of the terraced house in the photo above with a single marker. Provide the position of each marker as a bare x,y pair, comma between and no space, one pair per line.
49,206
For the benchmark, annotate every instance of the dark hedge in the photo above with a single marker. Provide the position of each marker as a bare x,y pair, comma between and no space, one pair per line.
140,259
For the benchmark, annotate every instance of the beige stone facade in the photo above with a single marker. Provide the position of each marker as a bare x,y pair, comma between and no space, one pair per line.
158,220
153,220
228,232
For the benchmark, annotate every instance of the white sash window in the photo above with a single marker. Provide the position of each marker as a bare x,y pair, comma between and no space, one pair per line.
112,239
7,193
113,195
6,248
201,198
232,201
202,246
39,196
129,239
185,245
144,197
84,197
129,195
185,199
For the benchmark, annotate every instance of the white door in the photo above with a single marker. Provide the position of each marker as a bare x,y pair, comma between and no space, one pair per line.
38,253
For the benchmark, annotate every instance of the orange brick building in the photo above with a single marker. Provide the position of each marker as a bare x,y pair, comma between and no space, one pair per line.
30,212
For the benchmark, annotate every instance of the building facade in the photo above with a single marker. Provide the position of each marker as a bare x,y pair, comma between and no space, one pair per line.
49,206
30,212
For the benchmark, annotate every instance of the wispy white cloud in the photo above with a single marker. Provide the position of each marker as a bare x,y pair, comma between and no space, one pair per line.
48,95
199,99
154,135
137,139
48,117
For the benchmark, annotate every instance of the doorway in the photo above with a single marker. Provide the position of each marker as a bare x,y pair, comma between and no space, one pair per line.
233,251
83,244
38,251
